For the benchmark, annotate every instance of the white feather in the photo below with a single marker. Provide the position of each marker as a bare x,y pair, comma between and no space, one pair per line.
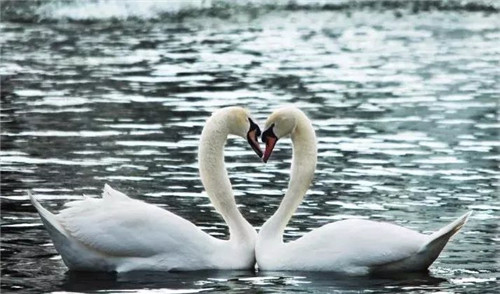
117,233
353,246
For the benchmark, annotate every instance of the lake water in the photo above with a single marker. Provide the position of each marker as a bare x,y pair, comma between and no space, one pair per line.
404,99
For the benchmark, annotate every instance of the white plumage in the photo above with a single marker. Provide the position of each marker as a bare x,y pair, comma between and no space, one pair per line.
118,233
353,246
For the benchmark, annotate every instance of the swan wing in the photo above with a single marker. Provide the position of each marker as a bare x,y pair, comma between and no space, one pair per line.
357,244
117,225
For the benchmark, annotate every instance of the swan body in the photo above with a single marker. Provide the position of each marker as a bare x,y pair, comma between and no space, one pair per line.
118,233
354,246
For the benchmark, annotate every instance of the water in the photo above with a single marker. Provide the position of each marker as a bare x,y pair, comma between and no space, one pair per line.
404,100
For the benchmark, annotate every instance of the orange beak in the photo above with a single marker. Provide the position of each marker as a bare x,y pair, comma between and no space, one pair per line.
252,140
270,139
270,143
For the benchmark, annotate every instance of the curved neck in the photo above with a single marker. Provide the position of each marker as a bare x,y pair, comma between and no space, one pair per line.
216,181
302,171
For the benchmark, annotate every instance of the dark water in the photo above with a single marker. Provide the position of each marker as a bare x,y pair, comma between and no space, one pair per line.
405,104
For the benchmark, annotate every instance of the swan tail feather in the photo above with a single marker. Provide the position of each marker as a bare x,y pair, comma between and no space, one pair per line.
438,240
48,218
112,194
62,240
428,252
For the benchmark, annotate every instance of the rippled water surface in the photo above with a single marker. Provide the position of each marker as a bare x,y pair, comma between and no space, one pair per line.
405,105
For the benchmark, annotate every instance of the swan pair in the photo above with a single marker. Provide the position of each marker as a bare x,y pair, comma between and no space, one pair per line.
117,233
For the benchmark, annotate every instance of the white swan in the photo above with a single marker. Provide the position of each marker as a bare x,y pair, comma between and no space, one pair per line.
117,233
350,246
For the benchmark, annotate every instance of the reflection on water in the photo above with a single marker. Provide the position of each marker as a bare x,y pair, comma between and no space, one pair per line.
234,282
405,105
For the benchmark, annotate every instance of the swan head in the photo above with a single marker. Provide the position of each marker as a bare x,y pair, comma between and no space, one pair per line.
281,123
241,124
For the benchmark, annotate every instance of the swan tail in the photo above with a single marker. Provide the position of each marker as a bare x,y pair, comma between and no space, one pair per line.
48,219
427,253
71,255
437,240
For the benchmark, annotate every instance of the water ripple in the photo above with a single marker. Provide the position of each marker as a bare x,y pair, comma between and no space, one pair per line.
406,120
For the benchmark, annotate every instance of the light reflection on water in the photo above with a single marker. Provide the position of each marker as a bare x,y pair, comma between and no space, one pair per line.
406,117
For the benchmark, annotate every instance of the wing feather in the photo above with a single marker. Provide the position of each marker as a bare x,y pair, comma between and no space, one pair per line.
121,226
360,243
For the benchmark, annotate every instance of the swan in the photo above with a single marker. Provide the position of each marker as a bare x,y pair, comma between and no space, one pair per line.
354,246
118,233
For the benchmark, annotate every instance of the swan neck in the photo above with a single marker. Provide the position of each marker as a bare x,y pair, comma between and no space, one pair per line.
216,180
302,172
